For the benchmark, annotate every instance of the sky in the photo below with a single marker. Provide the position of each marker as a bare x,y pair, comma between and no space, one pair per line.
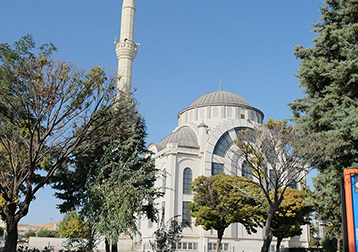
187,48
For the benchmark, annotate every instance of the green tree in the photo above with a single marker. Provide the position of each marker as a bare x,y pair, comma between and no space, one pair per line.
47,233
314,235
328,73
124,188
222,200
167,236
73,226
329,242
279,158
29,234
115,177
327,188
292,213
47,110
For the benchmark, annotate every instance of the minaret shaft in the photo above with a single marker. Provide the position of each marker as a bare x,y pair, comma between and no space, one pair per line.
127,21
126,49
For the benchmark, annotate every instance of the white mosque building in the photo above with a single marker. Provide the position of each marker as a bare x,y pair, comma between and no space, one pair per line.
199,145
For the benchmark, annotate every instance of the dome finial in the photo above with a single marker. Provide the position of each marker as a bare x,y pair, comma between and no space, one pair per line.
221,85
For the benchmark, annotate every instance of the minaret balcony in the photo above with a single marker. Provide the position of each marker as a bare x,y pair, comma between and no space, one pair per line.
126,49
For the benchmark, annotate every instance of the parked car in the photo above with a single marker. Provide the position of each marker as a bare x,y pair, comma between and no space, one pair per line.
72,243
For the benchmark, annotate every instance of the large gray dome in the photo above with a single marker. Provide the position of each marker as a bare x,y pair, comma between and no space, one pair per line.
220,98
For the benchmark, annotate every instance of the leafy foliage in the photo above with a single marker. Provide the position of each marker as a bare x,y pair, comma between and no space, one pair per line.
167,236
222,200
292,213
114,178
125,183
73,226
29,234
279,157
327,184
328,73
47,233
47,109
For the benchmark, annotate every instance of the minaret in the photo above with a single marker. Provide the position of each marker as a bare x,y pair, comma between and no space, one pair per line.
126,49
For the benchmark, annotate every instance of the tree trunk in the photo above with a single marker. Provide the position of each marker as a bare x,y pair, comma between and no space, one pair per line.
12,235
268,233
220,237
279,240
114,247
12,220
338,244
107,245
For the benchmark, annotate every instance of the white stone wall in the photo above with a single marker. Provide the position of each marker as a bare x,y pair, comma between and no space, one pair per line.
42,242
174,159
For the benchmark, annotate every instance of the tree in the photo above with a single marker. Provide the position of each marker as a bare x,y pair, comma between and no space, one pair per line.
325,184
124,188
115,176
30,233
291,215
328,74
222,200
167,236
48,108
47,233
73,226
314,238
278,157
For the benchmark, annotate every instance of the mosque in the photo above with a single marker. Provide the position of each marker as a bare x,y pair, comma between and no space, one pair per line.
199,145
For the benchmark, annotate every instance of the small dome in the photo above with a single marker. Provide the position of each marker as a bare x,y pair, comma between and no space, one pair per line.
219,98
185,137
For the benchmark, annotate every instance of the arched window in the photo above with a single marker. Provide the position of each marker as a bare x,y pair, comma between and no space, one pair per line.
163,213
225,141
217,169
223,144
293,184
187,179
186,212
239,129
246,170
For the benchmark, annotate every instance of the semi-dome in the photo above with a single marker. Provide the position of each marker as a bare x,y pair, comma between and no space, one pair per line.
220,98
184,137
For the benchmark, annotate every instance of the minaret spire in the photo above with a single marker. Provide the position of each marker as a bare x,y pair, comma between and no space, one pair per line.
126,49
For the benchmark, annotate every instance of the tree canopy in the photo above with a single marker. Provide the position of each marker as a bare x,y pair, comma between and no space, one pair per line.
114,179
48,233
48,108
222,200
74,226
330,209
29,234
278,157
328,75
167,236
293,212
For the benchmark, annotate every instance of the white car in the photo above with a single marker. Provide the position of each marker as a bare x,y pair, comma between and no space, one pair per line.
72,243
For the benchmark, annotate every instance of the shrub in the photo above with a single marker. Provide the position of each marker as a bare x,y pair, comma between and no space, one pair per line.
29,234
47,233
